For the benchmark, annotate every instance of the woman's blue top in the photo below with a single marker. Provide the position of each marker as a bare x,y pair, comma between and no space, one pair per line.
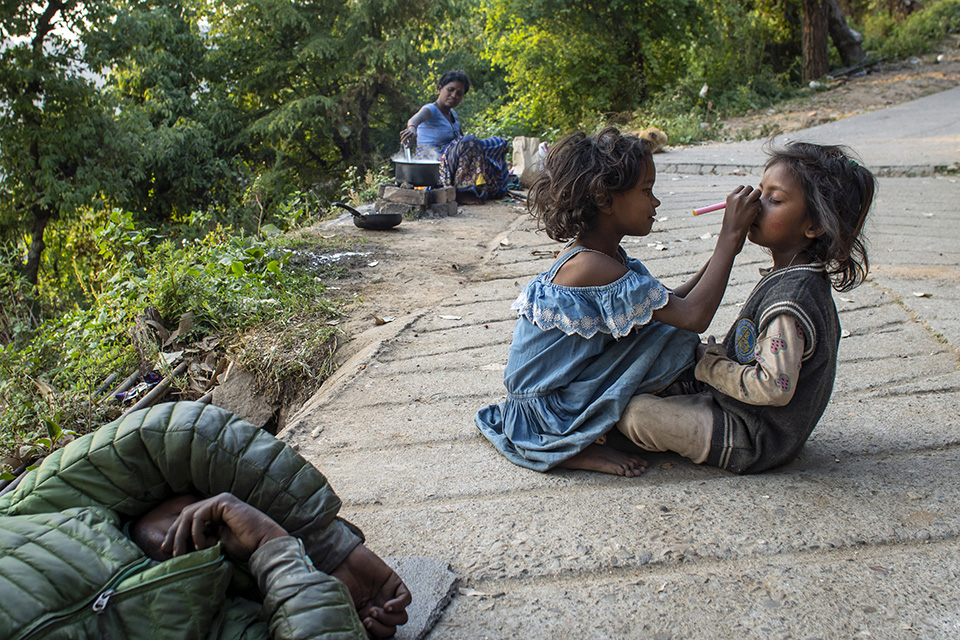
438,131
578,355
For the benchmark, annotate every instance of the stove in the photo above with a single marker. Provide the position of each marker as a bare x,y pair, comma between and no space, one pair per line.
417,202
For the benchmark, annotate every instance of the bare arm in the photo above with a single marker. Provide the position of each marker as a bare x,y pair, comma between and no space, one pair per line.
696,309
687,286
408,136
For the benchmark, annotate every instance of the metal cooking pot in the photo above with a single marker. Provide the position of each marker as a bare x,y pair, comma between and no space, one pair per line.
419,173
375,221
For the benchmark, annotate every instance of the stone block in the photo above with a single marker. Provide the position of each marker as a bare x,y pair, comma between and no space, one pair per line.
443,194
444,209
383,206
239,393
419,197
406,196
432,585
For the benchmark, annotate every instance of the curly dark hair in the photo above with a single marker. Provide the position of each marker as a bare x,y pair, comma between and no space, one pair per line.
455,75
839,192
579,176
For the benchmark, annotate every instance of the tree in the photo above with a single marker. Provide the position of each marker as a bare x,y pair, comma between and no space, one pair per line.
321,84
158,73
58,146
815,39
569,59
847,41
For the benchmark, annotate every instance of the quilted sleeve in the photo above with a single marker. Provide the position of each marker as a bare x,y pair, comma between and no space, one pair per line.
299,601
138,461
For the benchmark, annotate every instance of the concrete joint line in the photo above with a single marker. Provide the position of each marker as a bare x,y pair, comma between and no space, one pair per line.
934,334
346,373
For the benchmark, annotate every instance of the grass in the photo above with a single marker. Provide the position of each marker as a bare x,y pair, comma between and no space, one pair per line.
243,294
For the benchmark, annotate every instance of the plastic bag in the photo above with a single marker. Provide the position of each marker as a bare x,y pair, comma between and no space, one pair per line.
526,159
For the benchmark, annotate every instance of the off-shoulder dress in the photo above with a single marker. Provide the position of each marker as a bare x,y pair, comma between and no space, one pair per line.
578,355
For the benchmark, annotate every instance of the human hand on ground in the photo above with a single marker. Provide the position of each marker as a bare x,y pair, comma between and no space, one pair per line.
378,593
223,518
743,205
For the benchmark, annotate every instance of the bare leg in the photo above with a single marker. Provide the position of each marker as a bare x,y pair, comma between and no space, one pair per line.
378,592
606,459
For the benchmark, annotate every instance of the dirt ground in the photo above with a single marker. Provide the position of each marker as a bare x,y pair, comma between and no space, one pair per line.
881,85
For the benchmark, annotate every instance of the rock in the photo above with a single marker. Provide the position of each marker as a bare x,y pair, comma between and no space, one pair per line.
432,584
240,394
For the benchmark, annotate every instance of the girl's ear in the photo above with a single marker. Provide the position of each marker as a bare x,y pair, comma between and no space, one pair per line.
603,201
813,230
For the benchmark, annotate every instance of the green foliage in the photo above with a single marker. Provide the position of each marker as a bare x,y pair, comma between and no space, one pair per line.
361,187
889,35
61,148
157,68
566,61
571,65
323,84
738,63
229,281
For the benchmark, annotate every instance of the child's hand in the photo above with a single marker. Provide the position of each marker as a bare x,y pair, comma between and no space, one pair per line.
743,205
704,346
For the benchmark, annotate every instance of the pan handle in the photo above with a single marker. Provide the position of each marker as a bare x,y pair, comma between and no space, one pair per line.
347,207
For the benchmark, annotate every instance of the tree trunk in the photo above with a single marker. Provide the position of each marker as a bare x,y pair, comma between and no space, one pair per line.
31,270
844,37
814,41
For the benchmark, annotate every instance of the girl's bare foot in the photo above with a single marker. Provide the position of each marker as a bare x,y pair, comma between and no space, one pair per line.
606,459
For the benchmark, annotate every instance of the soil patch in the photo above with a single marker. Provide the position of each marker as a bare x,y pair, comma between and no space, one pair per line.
881,85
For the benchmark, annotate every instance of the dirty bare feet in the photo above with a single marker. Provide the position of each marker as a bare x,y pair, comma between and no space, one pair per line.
378,592
606,459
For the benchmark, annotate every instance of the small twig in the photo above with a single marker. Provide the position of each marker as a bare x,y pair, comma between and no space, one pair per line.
158,391
256,196
863,64
9,485
106,384
126,384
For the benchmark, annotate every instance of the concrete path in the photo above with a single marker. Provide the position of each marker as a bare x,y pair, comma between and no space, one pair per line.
913,138
858,538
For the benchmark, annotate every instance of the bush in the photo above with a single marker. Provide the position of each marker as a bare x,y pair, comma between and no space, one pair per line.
228,281
891,36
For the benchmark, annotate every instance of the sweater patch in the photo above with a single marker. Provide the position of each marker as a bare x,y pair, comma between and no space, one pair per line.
745,340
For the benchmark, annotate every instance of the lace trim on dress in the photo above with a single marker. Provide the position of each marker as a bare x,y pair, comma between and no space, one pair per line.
616,324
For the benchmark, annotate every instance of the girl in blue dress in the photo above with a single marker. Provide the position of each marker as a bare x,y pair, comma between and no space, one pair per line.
597,327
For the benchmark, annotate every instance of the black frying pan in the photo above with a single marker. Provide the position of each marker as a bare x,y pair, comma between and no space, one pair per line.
376,221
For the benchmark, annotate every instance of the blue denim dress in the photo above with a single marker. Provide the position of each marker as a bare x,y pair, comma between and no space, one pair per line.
578,355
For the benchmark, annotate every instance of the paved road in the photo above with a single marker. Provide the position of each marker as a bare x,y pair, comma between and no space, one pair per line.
855,539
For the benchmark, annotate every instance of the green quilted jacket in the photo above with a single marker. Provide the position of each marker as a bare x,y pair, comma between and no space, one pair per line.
67,570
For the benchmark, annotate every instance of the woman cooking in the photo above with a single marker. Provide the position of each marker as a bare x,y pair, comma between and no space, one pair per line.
477,168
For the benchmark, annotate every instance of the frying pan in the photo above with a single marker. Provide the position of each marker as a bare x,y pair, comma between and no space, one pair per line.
376,221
